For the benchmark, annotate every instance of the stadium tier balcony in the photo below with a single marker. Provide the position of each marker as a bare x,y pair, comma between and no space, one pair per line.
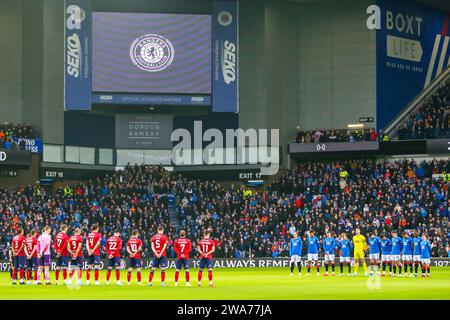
336,135
427,117
13,136
431,120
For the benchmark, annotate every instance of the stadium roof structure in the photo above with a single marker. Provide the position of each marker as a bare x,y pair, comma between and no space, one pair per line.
439,4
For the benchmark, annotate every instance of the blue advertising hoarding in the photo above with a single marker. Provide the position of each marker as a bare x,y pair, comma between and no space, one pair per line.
225,56
412,49
32,145
77,55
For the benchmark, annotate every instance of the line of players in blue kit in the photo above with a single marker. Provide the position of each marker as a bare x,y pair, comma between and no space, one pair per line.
397,253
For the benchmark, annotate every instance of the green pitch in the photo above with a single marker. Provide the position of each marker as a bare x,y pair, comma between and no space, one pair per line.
238,284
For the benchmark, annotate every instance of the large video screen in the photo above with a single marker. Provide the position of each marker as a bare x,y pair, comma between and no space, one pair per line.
151,53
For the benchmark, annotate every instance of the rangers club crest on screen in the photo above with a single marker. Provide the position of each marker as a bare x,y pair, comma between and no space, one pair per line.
152,52
225,18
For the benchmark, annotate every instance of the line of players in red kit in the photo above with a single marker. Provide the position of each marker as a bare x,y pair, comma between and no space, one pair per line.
67,249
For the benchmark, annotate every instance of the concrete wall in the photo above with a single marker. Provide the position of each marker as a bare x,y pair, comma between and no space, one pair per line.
32,63
53,72
11,61
269,67
337,64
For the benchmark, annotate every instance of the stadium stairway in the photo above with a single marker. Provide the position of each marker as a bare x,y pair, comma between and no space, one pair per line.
173,215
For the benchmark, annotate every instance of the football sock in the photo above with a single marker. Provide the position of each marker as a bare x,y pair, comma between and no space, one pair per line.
364,266
349,267
187,276
411,267
108,274
129,276
210,276
199,277
150,277
138,276
332,267
177,274
117,274
326,267
21,274
57,275
96,274
299,265
88,274
342,267
28,275
35,275
163,276
65,274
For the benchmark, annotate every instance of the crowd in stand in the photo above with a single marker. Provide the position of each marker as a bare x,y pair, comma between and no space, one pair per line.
337,196
319,136
432,120
11,134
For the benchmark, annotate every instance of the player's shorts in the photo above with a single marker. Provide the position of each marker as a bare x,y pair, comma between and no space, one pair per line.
19,262
417,257
93,260
45,260
62,261
295,258
374,256
395,257
407,257
425,261
205,263
386,257
313,256
77,262
159,262
359,255
114,262
329,257
33,263
182,263
344,259
135,263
